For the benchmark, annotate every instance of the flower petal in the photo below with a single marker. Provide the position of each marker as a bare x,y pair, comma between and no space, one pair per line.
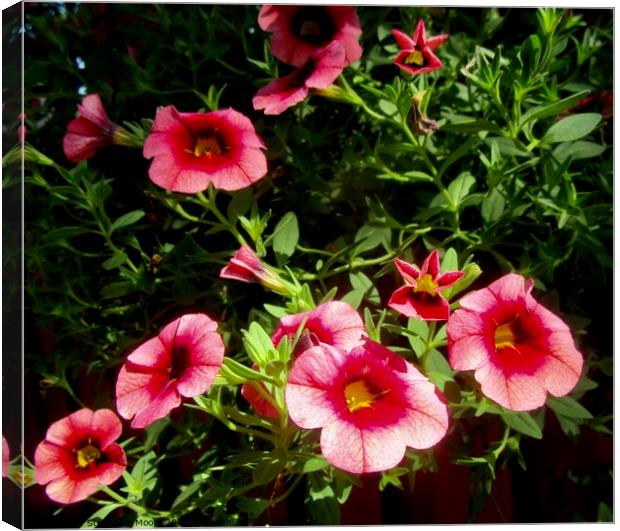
404,41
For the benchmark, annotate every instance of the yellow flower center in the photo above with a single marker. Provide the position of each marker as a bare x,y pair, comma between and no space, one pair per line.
86,455
504,336
426,284
206,146
415,58
358,396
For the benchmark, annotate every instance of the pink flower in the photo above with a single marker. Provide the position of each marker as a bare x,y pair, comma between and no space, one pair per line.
21,128
245,266
518,349
89,132
79,454
320,71
192,150
298,31
332,323
421,297
181,361
416,55
370,403
5,457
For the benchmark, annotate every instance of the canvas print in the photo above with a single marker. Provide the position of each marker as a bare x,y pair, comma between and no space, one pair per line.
303,264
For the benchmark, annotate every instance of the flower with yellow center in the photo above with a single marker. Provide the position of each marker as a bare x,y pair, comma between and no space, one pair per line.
86,455
415,58
426,284
358,396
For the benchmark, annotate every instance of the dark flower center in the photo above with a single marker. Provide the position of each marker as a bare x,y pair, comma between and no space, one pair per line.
179,362
207,144
313,25
86,454
361,393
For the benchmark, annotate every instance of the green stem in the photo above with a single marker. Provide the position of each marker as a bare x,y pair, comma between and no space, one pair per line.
209,204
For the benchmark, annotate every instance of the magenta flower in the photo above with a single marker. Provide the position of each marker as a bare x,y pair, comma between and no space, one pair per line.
299,31
416,55
370,403
333,323
89,132
79,454
192,150
245,266
5,457
422,297
182,361
518,349
319,72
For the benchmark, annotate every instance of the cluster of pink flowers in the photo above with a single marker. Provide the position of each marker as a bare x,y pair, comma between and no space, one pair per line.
369,403
320,41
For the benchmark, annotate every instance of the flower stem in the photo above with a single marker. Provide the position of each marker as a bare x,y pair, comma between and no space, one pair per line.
209,204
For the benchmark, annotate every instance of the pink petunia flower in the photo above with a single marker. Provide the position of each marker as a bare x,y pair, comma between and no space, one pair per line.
182,361
518,349
79,454
422,297
89,132
245,266
5,457
298,31
332,323
370,403
416,55
192,150
319,72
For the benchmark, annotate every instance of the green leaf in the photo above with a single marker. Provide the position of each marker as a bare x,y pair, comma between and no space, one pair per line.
127,219
582,149
99,515
506,146
63,233
252,506
116,289
521,422
450,261
258,344
492,206
460,187
568,407
322,504
313,464
471,126
464,149
186,495
372,236
269,467
235,373
604,513
239,204
286,236
572,128
117,260
553,109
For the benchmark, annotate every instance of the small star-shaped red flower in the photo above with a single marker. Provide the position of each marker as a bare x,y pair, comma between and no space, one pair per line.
421,296
416,55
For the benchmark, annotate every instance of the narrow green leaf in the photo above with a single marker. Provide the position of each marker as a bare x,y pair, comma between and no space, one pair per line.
127,219
492,206
568,407
521,422
117,260
460,187
572,128
286,236
552,109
